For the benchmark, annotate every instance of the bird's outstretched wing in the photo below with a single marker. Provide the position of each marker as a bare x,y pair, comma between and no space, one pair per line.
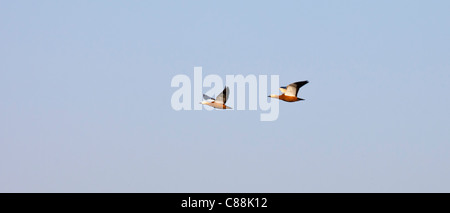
292,89
222,97
208,98
283,89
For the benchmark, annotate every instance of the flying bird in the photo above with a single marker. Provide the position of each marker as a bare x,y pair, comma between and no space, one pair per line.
290,92
220,100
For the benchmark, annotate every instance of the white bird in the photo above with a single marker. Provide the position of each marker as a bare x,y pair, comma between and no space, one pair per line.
220,100
290,92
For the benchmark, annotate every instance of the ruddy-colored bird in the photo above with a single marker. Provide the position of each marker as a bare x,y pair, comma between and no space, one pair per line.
220,100
290,92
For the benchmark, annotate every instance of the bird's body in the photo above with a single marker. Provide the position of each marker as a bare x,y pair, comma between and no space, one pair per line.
286,98
216,105
290,92
219,102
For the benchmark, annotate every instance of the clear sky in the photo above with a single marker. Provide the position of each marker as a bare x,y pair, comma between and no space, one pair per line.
86,96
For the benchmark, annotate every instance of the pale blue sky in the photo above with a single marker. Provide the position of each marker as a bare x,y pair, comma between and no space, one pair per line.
85,96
